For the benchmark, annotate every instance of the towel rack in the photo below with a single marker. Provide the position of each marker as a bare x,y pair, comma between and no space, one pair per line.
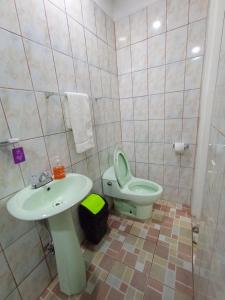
9,142
49,94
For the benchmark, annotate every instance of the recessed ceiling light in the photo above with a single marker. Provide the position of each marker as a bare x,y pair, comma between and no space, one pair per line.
122,38
196,50
156,24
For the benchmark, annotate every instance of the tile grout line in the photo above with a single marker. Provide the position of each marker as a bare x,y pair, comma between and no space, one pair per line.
185,71
148,88
156,35
57,79
32,84
132,87
164,101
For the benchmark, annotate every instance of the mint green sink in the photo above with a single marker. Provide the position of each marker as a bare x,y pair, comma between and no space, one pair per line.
47,201
53,202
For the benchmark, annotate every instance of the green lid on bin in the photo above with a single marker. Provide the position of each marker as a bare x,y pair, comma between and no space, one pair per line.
93,203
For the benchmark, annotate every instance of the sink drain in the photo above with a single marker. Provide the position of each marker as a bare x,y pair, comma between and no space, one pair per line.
57,203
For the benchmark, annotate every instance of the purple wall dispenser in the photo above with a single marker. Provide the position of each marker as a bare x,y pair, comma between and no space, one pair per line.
18,155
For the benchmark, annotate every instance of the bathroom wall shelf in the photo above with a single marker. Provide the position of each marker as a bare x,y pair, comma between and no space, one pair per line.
9,142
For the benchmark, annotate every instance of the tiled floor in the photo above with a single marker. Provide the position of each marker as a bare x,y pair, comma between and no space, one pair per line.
136,260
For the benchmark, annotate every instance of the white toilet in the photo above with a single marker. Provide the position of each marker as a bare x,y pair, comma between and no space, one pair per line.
132,196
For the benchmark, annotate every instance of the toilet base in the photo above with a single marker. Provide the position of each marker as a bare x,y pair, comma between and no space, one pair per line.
141,212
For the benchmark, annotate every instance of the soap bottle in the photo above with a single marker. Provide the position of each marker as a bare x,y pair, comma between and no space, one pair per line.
58,169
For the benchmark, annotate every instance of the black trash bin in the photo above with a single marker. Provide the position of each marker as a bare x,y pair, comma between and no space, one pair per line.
93,216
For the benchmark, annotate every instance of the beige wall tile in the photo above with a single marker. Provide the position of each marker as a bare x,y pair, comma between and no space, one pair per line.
77,34
51,113
140,108
39,279
58,28
65,72
198,10
138,26
156,17
122,29
24,255
9,173
156,80
11,228
125,86
193,73
36,159
140,83
13,69
89,14
124,60
8,16
176,44
141,152
175,73
21,113
100,23
156,50
73,8
33,21
196,38
177,13
41,65
139,56
4,131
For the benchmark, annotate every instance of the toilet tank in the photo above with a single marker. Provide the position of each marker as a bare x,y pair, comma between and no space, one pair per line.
109,183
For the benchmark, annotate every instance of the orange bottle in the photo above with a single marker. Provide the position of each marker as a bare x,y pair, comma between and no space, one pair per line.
58,170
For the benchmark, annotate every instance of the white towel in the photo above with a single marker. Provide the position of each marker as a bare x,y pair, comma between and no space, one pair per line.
80,119
66,112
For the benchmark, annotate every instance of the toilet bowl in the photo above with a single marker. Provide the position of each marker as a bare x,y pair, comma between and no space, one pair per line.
132,196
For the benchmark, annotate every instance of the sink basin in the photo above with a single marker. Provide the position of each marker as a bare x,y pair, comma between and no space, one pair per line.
53,201
49,200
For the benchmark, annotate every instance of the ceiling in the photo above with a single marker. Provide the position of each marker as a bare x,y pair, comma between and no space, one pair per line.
121,8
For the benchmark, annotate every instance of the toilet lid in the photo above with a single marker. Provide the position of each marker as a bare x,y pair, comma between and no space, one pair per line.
121,167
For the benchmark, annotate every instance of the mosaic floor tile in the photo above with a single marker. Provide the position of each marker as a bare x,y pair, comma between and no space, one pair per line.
146,260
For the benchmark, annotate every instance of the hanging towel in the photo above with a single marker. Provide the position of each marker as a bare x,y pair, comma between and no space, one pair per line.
80,119
66,112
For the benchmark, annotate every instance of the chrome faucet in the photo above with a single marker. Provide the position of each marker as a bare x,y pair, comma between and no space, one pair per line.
43,179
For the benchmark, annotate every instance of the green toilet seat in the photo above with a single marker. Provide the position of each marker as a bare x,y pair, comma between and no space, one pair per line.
121,167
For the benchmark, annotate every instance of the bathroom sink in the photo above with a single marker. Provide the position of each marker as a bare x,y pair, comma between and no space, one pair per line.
47,201
53,201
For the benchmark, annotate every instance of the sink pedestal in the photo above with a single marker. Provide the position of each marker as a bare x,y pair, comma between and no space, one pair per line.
69,260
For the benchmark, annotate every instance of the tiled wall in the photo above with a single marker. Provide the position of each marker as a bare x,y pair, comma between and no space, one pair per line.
159,70
210,263
49,46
